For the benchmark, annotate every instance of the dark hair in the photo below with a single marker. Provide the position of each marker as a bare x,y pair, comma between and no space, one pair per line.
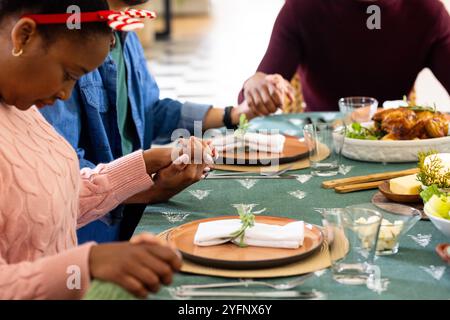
50,32
135,2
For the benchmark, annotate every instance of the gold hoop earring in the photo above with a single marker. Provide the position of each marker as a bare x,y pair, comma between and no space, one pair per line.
17,54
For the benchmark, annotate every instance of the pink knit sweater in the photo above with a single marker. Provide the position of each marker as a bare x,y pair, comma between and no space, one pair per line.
44,198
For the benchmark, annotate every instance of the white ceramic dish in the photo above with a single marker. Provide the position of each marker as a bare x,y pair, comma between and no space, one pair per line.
441,224
391,150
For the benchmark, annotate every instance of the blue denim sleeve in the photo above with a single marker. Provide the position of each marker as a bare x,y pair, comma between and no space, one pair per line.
171,115
163,116
65,117
191,113
83,162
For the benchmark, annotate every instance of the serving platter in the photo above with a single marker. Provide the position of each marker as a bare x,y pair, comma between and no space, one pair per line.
392,151
231,256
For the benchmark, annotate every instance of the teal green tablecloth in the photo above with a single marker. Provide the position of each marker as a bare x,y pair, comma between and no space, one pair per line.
415,272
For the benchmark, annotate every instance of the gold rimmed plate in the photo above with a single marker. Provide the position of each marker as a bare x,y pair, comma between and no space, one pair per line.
231,256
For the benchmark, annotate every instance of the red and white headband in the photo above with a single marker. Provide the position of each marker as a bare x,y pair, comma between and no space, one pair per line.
128,20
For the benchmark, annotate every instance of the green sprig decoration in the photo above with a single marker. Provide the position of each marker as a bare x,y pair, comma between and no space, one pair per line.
433,173
243,126
419,108
247,217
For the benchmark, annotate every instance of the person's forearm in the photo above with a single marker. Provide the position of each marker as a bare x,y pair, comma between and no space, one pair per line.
214,117
108,185
152,196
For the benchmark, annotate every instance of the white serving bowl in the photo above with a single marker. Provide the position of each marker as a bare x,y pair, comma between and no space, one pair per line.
441,224
392,151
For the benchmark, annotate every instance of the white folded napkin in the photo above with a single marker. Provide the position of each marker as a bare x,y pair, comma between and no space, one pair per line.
273,143
289,236
227,143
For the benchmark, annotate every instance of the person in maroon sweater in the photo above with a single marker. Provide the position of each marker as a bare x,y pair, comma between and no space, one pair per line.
329,43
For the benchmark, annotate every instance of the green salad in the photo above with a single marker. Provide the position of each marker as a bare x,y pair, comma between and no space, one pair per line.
358,131
436,202
436,177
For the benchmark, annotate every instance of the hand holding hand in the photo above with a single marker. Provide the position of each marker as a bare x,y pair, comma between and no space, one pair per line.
192,150
264,93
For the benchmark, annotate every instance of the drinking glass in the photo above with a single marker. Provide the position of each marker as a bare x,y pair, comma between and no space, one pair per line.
394,225
325,144
357,109
352,234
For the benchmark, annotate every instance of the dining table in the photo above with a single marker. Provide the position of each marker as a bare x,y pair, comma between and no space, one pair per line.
415,272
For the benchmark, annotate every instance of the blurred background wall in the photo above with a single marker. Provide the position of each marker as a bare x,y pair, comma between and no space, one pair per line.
215,45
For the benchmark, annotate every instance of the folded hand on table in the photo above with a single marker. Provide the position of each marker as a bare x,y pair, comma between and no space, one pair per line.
139,267
150,238
190,150
192,160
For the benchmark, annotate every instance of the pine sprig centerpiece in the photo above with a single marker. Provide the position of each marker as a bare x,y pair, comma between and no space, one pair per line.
432,170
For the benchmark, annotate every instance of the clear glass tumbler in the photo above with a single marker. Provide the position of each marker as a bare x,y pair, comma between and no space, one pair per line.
358,109
325,144
352,235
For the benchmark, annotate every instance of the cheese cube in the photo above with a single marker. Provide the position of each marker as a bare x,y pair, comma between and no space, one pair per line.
407,185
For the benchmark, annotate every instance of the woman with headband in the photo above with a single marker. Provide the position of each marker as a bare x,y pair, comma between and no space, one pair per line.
117,109
43,195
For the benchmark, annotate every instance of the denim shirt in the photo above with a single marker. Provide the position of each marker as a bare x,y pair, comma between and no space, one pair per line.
88,120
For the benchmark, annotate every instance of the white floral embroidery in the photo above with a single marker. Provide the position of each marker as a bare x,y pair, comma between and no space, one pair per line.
375,282
344,170
174,217
296,122
435,272
319,295
200,194
248,183
248,208
320,273
378,285
303,178
322,211
422,239
174,293
298,194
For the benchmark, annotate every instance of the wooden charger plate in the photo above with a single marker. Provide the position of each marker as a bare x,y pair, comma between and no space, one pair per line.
384,203
231,256
297,165
294,150
395,197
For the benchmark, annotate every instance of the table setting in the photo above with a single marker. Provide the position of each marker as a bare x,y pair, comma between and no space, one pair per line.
320,209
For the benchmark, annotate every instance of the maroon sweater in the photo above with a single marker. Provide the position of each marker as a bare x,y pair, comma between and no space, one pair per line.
328,42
